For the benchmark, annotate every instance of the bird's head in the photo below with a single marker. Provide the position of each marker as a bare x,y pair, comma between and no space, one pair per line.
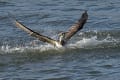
61,37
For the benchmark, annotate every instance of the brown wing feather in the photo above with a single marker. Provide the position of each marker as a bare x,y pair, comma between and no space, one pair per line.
77,26
35,34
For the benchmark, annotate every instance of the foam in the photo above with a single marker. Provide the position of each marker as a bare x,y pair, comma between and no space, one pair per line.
83,43
92,42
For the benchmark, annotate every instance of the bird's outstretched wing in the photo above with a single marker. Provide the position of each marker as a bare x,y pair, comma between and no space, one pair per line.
35,34
77,26
73,30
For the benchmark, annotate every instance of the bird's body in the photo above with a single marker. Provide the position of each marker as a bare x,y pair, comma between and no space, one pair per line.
63,37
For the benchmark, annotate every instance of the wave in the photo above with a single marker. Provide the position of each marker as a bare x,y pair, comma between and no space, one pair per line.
84,40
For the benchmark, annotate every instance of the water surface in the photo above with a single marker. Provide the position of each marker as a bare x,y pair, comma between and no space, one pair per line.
92,54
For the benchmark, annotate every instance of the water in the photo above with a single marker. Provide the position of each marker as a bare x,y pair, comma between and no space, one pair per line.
92,54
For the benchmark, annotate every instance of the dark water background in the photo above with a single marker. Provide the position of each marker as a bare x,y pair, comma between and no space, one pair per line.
92,54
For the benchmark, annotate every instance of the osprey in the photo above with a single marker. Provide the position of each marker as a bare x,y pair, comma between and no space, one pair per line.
63,36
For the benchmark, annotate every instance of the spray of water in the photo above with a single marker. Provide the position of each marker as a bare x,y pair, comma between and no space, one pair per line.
83,43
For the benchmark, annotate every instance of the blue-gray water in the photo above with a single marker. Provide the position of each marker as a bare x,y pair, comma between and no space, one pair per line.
92,54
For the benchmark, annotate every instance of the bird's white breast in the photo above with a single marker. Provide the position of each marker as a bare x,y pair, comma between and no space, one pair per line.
58,45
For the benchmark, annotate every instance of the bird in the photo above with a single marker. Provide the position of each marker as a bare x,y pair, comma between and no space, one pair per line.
63,37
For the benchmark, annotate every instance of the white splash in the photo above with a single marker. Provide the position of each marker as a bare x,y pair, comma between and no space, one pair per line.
84,43
91,42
